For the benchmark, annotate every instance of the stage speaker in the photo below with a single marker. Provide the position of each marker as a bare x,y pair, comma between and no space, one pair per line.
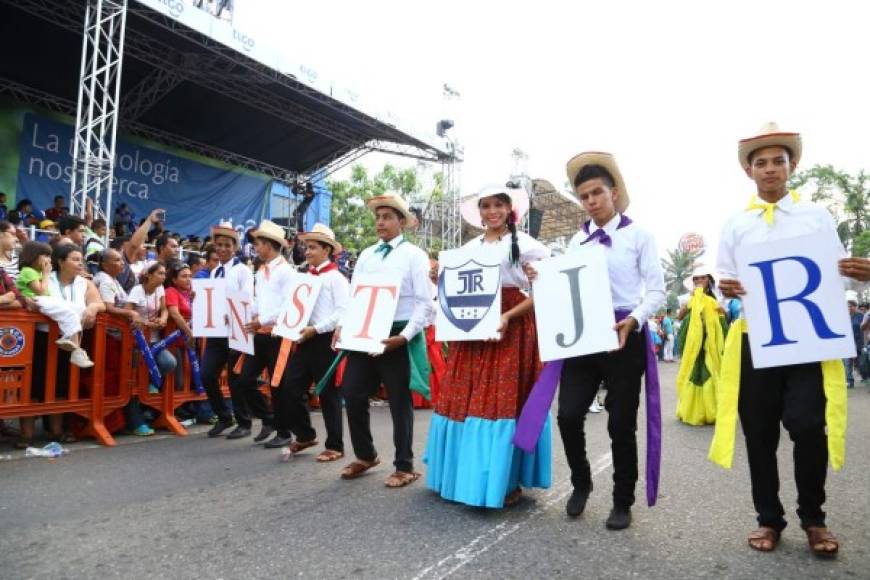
536,220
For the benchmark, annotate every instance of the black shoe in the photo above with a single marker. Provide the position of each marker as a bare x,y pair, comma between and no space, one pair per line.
219,427
264,433
239,433
619,518
577,503
278,441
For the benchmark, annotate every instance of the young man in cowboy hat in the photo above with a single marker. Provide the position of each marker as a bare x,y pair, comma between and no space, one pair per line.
314,355
271,287
638,289
794,395
364,373
219,357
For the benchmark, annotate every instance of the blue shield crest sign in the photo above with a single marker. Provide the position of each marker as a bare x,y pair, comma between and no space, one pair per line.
469,300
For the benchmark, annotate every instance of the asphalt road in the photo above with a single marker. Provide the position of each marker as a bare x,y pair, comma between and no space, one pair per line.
198,508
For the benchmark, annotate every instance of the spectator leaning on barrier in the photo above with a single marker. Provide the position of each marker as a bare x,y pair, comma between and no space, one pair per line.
66,283
8,247
34,282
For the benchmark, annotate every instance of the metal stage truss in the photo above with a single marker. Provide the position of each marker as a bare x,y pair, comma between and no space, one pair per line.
110,38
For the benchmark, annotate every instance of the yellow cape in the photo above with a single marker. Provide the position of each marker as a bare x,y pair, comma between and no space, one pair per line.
834,381
699,408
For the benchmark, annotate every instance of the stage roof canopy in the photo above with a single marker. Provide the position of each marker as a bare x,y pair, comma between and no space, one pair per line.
183,88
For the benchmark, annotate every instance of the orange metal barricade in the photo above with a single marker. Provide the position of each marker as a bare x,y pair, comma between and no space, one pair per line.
85,389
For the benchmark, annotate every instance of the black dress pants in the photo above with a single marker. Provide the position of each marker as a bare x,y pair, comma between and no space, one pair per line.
794,396
219,357
362,377
621,372
266,349
308,364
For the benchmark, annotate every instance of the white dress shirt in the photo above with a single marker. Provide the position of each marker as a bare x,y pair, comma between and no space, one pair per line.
637,283
790,219
237,275
331,302
271,288
411,265
512,276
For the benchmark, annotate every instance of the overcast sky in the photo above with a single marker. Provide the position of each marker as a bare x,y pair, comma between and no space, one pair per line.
668,87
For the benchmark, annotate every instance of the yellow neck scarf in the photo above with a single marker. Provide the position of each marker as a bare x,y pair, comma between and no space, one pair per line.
769,208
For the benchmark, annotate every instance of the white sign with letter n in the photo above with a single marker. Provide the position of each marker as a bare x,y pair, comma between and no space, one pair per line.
239,305
573,305
795,303
209,308
469,297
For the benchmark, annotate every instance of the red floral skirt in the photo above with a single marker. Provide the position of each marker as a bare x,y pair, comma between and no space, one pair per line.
491,380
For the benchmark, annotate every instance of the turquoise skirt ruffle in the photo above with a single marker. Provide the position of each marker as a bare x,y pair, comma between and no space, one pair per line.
474,462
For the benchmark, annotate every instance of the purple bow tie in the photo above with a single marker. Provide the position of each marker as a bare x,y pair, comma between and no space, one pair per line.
601,235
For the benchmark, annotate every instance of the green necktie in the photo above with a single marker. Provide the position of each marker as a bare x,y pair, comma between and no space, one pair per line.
384,248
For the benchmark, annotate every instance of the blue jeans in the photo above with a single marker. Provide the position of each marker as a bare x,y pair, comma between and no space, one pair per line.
850,368
133,411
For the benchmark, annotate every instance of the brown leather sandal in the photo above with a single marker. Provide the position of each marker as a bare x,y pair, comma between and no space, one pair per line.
401,479
328,455
822,542
357,468
298,446
764,539
513,497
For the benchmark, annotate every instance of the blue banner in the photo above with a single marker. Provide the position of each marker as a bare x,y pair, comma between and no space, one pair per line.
194,195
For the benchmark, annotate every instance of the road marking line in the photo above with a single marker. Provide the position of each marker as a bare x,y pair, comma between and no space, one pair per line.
493,536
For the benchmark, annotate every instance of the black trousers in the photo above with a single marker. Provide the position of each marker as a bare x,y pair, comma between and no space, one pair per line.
794,396
266,349
621,372
362,377
219,357
308,365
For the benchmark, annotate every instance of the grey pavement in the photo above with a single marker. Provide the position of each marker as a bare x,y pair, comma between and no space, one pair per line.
171,507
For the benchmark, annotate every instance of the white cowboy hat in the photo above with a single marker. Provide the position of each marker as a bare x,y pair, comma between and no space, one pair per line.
607,161
395,202
271,231
770,136
851,296
698,271
225,229
468,207
321,233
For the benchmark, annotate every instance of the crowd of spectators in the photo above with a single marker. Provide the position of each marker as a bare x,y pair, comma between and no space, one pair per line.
137,270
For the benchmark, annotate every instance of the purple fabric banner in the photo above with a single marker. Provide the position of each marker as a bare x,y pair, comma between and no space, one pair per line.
537,407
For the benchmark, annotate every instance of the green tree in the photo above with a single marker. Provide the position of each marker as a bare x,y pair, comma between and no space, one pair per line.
847,197
352,222
678,266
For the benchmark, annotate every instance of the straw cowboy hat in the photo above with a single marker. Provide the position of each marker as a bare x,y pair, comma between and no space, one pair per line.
770,136
698,271
324,235
852,296
227,230
519,202
271,231
605,160
395,202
